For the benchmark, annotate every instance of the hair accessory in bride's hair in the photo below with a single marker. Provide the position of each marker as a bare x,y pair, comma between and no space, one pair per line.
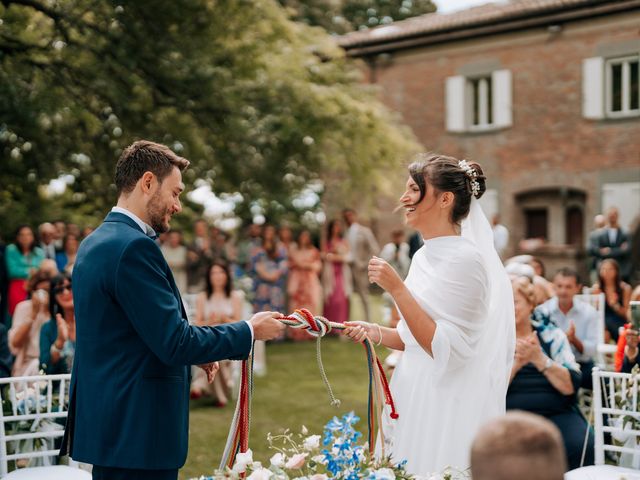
472,175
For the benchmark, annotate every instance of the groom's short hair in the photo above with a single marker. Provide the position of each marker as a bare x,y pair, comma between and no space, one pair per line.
519,445
145,156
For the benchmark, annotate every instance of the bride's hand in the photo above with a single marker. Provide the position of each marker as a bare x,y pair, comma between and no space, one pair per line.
357,331
383,274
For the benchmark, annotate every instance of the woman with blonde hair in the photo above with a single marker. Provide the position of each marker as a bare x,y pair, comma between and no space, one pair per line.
545,375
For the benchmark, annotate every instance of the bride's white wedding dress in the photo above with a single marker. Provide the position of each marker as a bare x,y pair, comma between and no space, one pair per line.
443,400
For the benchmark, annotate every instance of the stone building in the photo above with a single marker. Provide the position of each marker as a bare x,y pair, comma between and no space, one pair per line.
544,94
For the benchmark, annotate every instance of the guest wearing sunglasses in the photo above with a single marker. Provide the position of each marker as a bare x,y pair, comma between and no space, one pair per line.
58,335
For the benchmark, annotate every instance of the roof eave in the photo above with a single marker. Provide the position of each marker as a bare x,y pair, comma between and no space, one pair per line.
534,19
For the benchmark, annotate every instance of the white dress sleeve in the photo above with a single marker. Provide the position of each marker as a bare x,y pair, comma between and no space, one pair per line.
458,303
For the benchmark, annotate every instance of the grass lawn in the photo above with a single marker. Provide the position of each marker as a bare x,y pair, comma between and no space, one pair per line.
291,394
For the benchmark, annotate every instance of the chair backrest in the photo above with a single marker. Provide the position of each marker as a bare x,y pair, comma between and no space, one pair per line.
24,403
597,301
617,412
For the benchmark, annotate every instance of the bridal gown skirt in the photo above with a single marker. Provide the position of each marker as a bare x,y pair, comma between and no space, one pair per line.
439,414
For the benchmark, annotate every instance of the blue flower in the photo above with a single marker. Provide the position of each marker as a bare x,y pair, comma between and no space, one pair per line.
351,418
333,425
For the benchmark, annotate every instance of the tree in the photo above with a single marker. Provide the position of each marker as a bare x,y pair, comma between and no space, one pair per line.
343,16
261,105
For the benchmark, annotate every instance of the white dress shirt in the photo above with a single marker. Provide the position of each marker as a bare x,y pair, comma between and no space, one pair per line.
146,228
584,317
49,250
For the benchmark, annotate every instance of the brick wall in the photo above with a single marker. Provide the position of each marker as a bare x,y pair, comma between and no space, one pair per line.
550,144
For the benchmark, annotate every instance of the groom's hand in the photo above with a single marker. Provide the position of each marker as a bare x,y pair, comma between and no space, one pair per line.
210,369
266,326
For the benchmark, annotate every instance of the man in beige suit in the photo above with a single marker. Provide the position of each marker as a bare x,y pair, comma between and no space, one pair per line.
363,246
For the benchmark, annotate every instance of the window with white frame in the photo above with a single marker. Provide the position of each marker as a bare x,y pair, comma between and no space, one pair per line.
622,88
611,87
477,103
479,92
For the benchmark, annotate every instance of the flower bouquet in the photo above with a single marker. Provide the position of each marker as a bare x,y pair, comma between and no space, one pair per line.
336,455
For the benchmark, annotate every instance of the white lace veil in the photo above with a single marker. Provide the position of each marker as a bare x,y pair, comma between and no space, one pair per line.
497,344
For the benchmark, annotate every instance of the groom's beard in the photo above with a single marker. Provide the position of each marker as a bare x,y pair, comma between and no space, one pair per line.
156,213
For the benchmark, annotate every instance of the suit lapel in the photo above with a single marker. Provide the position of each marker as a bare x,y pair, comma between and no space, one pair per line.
122,218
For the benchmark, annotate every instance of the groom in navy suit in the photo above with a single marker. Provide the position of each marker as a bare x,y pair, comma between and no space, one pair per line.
129,397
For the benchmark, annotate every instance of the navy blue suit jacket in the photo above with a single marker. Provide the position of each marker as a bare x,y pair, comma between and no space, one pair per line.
129,397
620,250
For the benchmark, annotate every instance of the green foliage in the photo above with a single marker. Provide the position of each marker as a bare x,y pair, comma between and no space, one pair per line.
343,16
261,105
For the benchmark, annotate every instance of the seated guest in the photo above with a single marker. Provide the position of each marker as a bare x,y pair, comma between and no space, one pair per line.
631,357
543,287
538,267
28,318
22,258
621,351
49,267
67,256
58,335
545,375
617,296
218,304
519,446
532,268
578,320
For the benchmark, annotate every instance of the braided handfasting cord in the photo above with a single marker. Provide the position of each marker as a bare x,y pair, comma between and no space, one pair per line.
317,326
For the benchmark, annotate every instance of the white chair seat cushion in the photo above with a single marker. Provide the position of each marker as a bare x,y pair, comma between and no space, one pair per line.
57,472
602,472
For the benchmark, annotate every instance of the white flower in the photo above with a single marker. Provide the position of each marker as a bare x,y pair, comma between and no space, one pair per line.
319,476
384,474
304,430
297,461
311,442
319,459
242,461
277,460
260,474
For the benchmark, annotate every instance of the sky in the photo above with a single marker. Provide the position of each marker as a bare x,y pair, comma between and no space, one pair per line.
448,6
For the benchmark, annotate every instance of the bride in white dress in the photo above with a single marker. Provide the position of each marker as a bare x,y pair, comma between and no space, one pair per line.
456,327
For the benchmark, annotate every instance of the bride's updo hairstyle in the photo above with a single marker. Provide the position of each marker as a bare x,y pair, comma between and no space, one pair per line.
447,174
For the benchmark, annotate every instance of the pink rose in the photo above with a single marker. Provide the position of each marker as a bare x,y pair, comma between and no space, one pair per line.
297,461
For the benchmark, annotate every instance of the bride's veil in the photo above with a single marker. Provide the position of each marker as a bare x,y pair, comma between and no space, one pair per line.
497,344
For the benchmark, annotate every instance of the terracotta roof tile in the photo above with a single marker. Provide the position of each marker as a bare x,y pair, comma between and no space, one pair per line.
483,14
